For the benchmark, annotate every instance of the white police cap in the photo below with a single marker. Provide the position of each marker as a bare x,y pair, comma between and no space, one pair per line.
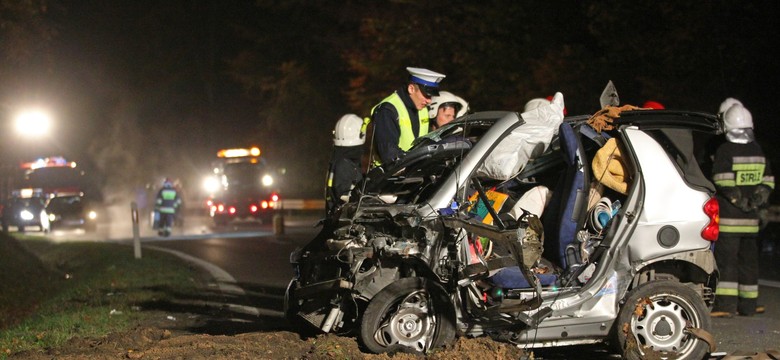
427,78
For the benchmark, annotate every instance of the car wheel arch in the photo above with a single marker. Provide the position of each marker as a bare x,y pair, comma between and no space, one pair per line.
691,273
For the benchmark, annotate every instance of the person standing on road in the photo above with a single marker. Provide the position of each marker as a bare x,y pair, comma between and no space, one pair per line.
445,108
403,116
167,203
345,169
744,181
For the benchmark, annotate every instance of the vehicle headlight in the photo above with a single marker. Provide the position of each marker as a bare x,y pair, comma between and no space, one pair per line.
210,184
267,180
92,215
26,215
52,217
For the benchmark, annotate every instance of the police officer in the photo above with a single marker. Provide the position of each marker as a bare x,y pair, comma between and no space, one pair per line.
403,116
744,181
345,169
167,203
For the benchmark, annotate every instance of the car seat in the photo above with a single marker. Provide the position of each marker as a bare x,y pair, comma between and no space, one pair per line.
563,217
565,213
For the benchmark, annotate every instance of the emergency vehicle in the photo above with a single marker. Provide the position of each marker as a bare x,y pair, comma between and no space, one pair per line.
241,187
45,179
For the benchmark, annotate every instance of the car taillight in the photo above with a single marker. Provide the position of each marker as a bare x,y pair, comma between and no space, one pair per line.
232,210
253,208
264,204
220,208
712,209
274,197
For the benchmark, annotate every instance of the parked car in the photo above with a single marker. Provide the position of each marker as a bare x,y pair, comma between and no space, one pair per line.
497,225
72,210
24,212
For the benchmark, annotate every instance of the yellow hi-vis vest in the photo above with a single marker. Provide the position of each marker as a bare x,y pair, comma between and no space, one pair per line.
404,121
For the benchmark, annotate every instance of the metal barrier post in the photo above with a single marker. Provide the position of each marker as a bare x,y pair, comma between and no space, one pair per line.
278,219
136,235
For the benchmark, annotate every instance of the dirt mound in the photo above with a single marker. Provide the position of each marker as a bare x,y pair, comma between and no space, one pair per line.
156,343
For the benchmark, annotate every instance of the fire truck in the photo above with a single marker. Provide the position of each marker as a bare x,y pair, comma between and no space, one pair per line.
51,192
241,187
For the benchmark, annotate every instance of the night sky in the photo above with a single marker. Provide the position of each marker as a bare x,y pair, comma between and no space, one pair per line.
147,89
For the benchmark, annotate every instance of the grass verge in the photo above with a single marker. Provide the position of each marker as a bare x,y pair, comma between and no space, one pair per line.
52,292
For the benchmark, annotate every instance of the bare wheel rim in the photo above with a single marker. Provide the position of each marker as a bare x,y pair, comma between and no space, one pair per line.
410,324
663,322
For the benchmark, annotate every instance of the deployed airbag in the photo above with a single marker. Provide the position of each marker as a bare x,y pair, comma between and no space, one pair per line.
526,142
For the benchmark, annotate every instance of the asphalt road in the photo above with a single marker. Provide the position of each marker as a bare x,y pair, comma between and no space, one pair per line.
254,262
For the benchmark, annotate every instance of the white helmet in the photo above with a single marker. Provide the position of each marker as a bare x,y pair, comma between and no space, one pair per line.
726,104
737,117
447,98
349,131
535,103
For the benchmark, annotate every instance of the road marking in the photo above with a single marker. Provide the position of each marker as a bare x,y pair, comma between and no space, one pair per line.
224,280
769,283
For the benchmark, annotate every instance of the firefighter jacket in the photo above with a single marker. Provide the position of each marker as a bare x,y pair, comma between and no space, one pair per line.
344,172
397,122
168,201
743,178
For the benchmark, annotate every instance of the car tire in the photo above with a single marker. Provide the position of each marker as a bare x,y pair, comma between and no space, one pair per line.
654,318
410,315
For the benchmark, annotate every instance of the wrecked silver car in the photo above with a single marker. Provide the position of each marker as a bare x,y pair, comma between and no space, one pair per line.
530,228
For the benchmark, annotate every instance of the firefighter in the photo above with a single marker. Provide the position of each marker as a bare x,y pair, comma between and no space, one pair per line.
403,116
345,169
744,181
167,204
445,108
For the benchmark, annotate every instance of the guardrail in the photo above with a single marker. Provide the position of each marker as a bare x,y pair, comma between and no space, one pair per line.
303,204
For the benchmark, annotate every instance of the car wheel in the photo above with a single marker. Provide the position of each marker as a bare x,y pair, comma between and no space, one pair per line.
409,315
655,320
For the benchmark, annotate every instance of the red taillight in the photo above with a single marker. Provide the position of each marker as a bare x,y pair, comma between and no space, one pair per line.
712,209
253,208
274,197
264,204
232,210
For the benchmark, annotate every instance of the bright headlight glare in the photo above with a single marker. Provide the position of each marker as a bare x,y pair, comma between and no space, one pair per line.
268,180
26,215
210,184
92,215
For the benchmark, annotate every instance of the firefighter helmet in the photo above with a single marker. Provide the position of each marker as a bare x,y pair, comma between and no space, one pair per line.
447,99
655,105
349,131
726,104
737,117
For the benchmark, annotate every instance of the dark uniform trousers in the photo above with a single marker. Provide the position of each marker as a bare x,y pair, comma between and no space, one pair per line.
737,257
